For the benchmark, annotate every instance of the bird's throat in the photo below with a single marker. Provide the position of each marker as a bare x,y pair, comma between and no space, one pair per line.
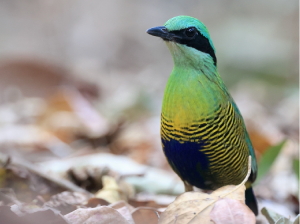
189,96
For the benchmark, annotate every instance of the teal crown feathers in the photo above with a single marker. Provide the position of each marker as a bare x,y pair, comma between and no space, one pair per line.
183,22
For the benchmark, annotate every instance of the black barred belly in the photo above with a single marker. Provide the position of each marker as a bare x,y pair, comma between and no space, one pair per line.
189,162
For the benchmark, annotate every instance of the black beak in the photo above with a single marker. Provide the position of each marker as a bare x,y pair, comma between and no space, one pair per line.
162,32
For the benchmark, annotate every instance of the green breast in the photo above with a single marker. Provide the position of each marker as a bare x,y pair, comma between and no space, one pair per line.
189,98
196,110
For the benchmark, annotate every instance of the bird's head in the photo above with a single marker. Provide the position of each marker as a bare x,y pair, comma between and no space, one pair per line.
187,39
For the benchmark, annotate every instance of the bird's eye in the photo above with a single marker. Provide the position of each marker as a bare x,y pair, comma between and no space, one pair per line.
190,32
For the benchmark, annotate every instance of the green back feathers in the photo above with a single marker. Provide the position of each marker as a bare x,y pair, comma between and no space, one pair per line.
183,22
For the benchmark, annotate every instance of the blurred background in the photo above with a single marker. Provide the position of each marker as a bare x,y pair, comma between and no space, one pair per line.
81,80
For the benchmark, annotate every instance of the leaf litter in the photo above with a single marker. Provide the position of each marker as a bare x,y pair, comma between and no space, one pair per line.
196,207
70,164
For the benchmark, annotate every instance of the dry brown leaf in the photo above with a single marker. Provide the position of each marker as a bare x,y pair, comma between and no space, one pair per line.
145,199
228,211
25,183
145,215
124,209
126,214
67,201
42,215
121,204
45,182
195,207
94,202
99,215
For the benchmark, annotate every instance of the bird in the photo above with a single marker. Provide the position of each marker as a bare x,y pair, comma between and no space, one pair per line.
203,134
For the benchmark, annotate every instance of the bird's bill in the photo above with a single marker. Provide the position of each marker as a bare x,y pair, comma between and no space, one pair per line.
162,32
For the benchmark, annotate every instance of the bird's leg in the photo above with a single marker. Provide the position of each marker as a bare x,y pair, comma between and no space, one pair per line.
187,186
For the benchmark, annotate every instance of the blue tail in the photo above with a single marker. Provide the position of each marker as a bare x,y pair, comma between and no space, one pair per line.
251,200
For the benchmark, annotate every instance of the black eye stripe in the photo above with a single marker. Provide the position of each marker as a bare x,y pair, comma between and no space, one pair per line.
197,41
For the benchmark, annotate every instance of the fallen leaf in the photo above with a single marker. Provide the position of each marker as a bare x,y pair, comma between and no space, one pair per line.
110,190
121,204
7,216
67,201
94,202
271,216
46,217
275,218
145,215
228,211
195,207
29,181
99,215
124,209
26,184
126,214
113,191
42,216
145,199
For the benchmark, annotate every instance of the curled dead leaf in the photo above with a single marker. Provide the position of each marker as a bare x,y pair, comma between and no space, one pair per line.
195,207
